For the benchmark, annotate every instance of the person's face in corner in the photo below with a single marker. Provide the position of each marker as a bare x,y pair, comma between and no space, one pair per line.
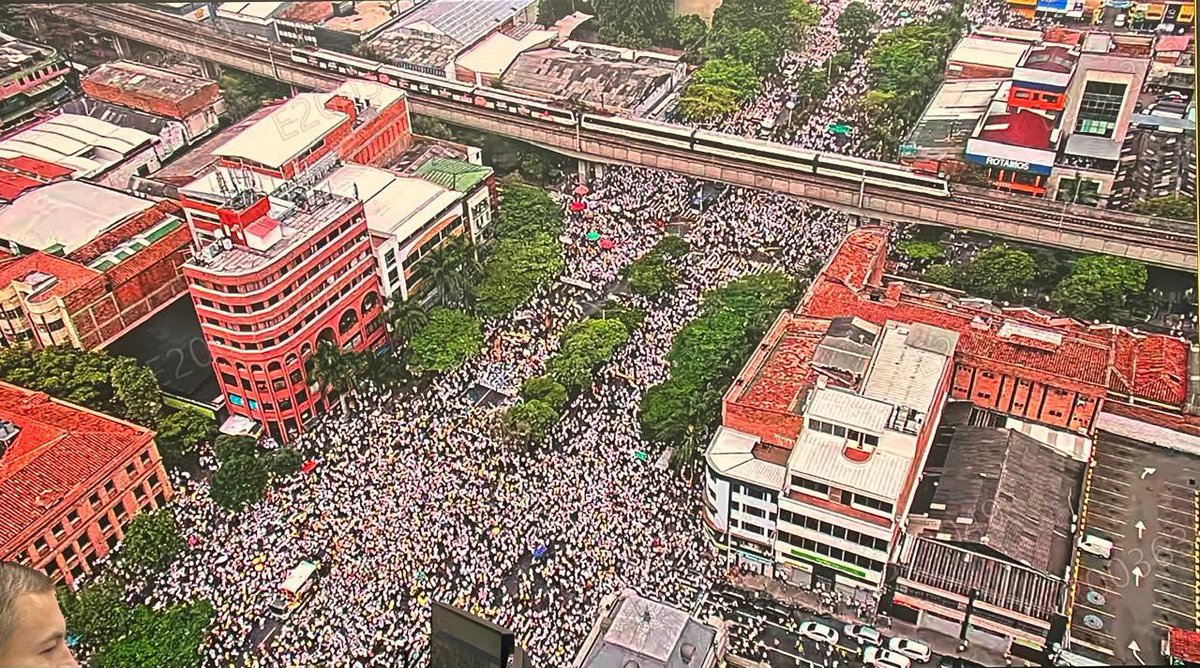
39,635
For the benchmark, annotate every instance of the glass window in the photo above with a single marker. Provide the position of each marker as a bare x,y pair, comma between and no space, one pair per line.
236,400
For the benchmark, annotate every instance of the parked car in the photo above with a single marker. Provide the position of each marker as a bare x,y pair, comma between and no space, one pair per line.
878,657
913,649
1096,545
865,635
819,632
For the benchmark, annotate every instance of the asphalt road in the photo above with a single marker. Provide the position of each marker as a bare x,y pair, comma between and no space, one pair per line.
1143,499
765,630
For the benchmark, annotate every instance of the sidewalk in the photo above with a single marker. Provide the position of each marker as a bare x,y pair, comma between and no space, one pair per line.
941,644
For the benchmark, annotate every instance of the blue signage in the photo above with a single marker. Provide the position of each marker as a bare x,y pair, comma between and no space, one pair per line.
1013,165
1052,5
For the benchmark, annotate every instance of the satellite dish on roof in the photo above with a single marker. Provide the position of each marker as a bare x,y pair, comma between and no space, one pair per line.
226,243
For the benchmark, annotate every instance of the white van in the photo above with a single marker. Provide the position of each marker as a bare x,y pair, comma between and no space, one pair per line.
294,590
1096,545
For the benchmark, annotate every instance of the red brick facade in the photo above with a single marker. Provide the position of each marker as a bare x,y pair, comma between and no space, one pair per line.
71,480
89,307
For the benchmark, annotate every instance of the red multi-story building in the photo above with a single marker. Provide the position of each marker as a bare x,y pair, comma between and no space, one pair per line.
285,264
71,479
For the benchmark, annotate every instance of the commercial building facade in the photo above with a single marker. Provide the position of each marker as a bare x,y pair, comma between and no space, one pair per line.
193,101
285,261
71,480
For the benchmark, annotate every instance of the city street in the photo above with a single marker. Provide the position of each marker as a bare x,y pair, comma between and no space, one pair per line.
765,630
1143,499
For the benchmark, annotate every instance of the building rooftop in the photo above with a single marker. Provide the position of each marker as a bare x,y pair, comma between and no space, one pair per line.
744,457
954,112
1000,53
256,9
292,127
1051,58
453,174
776,381
87,145
66,215
600,82
58,448
495,53
823,457
47,276
395,206
1184,645
16,55
641,632
908,366
1010,493
1088,358
199,159
463,21
297,222
367,15
996,581
152,82
1023,127
117,115
844,407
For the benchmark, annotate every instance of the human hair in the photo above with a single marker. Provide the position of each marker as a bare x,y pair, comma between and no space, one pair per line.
16,580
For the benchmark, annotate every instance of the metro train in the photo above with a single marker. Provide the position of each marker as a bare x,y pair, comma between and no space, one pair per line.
690,139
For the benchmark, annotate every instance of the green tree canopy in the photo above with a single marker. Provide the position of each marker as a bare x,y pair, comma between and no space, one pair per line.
689,32
152,541
449,339
855,25
181,435
514,270
753,47
245,93
525,211
667,409
136,387
97,613
1099,285
729,73
812,84
239,482
999,272
921,252
168,638
531,420
632,318
704,102
1176,207
636,23
546,389
650,275
227,447
943,274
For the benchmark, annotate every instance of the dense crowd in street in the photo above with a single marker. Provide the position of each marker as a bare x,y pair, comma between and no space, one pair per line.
810,126
423,498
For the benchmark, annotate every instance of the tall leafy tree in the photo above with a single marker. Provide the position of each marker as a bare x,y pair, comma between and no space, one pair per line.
728,73
181,435
1099,286
449,339
530,421
999,272
329,368
704,102
152,541
167,638
97,613
855,25
1177,207
137,389
636,23
239,482
405,319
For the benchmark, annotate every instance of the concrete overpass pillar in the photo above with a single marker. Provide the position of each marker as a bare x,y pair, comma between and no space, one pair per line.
590,170
210,69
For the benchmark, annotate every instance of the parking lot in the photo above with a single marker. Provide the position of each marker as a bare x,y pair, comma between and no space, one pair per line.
1143,499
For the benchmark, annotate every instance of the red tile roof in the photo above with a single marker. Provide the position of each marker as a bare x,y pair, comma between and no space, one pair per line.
1185,644
42,168
125,231
1022,128
60,452
71,276
785,370
1090,358
13,185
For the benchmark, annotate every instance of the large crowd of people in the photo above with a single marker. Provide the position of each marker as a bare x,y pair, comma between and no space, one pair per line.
422,497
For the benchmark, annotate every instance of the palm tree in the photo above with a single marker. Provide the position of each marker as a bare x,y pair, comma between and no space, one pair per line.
328,369
684,455
405,319
443,271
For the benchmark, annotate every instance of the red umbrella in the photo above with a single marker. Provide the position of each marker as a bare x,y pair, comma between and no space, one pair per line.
581,190
607,244
578,206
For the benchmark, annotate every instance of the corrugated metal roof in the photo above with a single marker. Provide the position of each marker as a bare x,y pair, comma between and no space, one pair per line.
820,456
731,454
844,407
904,375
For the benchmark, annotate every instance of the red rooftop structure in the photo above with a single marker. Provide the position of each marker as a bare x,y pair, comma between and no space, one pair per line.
1030,364
71,479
